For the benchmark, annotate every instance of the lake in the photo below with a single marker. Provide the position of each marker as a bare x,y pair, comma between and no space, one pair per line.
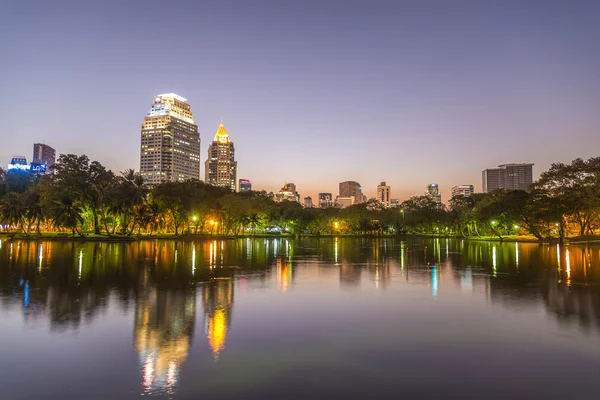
299,319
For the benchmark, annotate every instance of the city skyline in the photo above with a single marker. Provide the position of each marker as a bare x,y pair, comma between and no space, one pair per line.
413,76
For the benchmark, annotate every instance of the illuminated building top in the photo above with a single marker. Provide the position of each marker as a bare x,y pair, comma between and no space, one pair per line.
173,105
221,136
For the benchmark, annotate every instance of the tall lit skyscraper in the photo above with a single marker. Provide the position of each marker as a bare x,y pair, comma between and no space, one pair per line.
384,194
352,189
170,141
221,168
44,155
433,192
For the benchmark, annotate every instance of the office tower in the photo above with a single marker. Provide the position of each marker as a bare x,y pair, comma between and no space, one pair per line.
508,176
352,189
344,201
287,193
433,192
221,167
44,155
308,203
170,145
325,200
245,185
463,190
384,195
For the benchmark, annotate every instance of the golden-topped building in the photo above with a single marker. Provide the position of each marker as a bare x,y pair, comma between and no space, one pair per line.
170,145
221,167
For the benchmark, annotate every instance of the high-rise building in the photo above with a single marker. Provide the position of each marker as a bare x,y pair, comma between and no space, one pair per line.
433,192
287,193
245,185
44,155
325,200
170,145
344,201
507,176
463,190
352,189
395,203
221,167
384,194
308,203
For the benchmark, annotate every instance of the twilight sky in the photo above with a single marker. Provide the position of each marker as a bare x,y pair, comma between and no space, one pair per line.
312,92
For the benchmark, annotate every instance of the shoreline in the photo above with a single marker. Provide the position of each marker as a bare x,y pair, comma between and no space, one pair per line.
196,237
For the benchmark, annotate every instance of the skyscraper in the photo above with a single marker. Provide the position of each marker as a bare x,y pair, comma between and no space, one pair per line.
463,190
245,185
221,167
507,176
287,193
352,189
384,194
44,155
433,192
170,145
325,200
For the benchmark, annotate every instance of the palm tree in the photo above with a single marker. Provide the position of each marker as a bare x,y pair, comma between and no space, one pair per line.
67,214
12,210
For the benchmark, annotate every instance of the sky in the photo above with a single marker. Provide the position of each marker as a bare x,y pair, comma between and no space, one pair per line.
311,92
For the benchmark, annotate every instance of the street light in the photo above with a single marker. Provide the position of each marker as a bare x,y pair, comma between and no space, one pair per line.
494,222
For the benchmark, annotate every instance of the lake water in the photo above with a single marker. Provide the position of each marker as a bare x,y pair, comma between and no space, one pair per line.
299,319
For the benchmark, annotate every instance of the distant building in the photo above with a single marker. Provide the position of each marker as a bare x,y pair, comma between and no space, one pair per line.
287,193
395,203
44,155
507,176
170,142
463,190
220,167
18,162
345,201
352,189
384,195
245,185
433,192
308,203
325,200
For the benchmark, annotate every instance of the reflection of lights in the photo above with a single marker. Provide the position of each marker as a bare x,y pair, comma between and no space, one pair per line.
26,294
40,257
172,374
211,255
568,262
434,281
217,332
517,253
193,259
149,373
335,249
175,256
558,255
80,261
402,256
494,259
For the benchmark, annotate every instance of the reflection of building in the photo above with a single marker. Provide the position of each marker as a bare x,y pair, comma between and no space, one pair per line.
245,185
325,200
433,192
220,167
352,189
287,193
507,176
308,203
384,194
170,149
43,155
164,326
463,190
217,300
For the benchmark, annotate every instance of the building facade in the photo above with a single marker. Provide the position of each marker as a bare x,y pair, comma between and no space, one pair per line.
287,193
245,185
170,142
384,195
221,167
507,176
433,192
352,189
308,203
344,201
463,190
44,155
325,200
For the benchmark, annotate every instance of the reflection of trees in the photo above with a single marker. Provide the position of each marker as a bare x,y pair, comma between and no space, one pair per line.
217,300
164,326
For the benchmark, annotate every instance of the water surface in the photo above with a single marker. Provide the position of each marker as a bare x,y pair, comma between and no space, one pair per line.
309,318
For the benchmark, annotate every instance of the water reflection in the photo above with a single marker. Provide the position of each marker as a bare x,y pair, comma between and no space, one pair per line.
161,285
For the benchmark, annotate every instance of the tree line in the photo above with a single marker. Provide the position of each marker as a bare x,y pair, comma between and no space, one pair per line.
83,197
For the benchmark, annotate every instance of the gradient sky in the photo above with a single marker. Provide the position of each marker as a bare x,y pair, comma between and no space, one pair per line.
312,92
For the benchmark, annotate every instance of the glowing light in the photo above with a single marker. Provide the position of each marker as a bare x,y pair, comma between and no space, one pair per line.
80,262
193,259
516,226
434,281
494,222
194,218
494,260
40,257
568,262
558,255
517,253
217,332
336,225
